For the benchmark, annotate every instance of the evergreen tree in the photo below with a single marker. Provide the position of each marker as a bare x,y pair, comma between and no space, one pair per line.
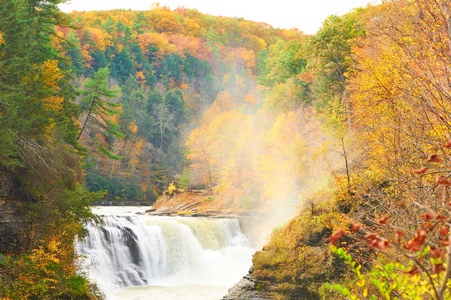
155,97
175,104
30,79
95,94
122,65
99,60
74,53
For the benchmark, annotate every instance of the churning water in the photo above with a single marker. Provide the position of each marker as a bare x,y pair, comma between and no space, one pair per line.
136,257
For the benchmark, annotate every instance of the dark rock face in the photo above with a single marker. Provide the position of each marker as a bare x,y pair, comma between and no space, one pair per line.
131,240
13,227
6,184
249,289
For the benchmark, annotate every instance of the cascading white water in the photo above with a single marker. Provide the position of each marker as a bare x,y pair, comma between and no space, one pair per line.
142,250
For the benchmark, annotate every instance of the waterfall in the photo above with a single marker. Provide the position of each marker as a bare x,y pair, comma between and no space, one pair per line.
127,251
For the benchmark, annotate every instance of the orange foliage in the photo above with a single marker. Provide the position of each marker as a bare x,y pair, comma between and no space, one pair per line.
196,47
132,127
164,21
100,37
159,40
47,78
140,77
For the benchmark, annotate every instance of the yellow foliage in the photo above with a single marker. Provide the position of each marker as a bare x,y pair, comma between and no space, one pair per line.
171,188
101,38
164,21
46,80
132,127
284,96
159,40
47,254
53,102
224,102
50,74
250,99
140,77
400,106
119,48
191,27
285,158
249,58
49,131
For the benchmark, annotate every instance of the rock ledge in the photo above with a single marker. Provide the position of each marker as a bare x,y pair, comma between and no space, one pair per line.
247,288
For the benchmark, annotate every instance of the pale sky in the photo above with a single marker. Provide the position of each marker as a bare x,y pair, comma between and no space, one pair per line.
306,15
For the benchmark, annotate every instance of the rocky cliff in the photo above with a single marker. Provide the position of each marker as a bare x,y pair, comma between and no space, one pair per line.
13,226
248,288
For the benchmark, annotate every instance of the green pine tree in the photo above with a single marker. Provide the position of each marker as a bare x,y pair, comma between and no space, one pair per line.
95,94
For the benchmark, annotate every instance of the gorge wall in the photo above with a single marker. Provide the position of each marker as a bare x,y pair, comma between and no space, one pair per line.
14,230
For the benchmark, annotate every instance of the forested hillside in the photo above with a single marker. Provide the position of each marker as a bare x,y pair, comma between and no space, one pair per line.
171,67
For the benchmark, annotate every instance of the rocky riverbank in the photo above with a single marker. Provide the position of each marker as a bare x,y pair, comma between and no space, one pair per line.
194,203
248,288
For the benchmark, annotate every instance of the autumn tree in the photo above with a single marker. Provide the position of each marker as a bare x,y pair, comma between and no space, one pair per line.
26,50
330,52
164,120
98,109
199,147
400,94
40,151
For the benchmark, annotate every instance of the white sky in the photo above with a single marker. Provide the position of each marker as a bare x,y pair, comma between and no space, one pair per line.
306,15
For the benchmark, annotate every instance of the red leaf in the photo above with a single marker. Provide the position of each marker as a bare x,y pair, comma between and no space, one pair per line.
429,226
444,231
427,217
442,180
441,218
445,242
438,268
412,271
382,243
370,236
448,144
436,252
412,245
382,220
355,227
399,234
433,158
333,238
415,243
421,170
421,234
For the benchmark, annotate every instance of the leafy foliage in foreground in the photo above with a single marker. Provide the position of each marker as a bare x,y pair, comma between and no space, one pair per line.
390,112
48,272
39,151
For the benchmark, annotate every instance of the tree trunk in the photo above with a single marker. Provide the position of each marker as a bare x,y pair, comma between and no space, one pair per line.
87,118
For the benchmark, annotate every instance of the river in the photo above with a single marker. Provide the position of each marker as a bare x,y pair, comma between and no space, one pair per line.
136,256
